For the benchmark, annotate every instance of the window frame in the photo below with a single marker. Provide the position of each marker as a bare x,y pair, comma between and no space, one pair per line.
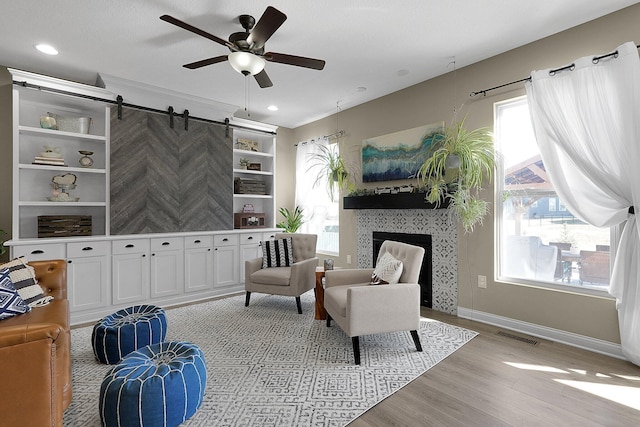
499,235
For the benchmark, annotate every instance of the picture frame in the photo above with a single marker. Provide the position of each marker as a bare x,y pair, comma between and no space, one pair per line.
398,155
254,166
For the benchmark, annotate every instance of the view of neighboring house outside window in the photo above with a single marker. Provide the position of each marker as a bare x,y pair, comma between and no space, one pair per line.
539,240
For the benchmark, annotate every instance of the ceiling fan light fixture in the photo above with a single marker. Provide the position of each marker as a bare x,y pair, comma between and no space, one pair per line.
246,63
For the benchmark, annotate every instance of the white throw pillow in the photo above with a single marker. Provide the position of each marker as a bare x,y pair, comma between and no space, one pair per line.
388,270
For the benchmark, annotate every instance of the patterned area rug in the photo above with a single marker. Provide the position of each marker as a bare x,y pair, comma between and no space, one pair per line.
270,366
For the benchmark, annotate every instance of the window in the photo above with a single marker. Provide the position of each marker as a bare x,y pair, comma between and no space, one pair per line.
321,214
539,240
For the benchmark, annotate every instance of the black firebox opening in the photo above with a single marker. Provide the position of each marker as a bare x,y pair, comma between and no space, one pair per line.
422,240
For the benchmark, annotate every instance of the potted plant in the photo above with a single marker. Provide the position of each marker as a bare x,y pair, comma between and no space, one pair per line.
467,158
2,248
292,220
244,163
331,168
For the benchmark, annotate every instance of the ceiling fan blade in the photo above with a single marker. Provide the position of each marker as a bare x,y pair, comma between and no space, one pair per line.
269,22
298,61
263,79
205,62
198,31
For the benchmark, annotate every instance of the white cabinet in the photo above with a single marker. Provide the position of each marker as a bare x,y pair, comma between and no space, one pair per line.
130,271
33,194
198,263
167,266
88,275
225,260
258,149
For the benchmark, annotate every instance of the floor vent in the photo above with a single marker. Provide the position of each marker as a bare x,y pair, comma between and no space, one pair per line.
518,338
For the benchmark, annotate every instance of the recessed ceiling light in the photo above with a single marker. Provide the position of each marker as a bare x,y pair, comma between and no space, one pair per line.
272,108
47,48
361,89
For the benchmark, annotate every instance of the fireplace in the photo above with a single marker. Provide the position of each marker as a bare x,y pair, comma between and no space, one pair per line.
436,223
422,240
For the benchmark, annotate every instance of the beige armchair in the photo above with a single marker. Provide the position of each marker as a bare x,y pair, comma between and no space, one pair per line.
289,281
362,309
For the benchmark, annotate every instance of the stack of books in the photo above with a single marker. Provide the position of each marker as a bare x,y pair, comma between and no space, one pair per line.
51,161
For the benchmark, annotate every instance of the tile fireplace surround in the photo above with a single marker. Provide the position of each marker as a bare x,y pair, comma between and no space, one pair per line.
444,235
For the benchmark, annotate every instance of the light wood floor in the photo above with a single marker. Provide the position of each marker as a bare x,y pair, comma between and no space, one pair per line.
499,381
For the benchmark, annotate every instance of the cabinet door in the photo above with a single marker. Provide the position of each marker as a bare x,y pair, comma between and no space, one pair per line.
87,283
130,273
198,269
225,266
247,252
167,273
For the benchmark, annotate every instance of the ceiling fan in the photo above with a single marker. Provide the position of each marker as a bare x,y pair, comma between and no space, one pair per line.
247,47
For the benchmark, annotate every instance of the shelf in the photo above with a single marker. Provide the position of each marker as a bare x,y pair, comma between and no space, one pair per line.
29,130
251,153
250,172
391,201
253,196
61,168
51,204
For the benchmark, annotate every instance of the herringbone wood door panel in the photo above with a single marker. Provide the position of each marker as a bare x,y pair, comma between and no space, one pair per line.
169,180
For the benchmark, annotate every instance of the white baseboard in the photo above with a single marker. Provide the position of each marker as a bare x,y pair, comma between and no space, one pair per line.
587,343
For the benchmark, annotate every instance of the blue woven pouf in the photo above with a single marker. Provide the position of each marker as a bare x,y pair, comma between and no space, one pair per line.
127,330
159,385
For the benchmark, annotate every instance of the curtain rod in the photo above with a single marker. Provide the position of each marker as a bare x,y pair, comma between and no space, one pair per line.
138,107
571,67
336,134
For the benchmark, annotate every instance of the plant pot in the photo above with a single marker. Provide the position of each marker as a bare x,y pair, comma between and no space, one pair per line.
452,161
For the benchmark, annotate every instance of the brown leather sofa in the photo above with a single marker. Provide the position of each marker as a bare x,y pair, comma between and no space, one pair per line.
35,356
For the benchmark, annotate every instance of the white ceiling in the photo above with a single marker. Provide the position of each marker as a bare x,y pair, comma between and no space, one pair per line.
380,45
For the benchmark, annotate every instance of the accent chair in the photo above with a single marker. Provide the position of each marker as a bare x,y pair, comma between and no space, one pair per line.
291,278
362,308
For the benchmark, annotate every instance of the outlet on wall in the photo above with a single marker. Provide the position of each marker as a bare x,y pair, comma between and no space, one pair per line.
482,281
348,259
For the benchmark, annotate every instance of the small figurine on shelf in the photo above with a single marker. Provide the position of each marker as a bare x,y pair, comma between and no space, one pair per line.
244,163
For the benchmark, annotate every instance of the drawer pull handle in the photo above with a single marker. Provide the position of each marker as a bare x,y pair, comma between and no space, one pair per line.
225,240
130,245
144,255
87,248
250,238
37,252
196,241
165,243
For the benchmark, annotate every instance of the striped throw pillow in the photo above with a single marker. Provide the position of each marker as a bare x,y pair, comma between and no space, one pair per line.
277,253
24,280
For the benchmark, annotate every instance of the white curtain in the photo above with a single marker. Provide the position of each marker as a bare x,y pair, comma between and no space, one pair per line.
587,124
314,199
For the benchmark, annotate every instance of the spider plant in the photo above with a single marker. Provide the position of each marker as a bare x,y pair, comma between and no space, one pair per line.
331,169
474,155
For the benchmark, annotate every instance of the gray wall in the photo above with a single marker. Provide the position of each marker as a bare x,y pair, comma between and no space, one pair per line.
433,101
